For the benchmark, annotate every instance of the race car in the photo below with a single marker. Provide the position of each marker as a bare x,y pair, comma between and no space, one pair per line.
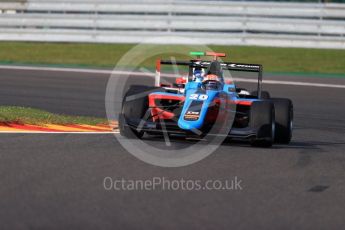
203,102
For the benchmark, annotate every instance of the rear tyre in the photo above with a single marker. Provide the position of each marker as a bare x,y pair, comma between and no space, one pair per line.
134,106
264,94
262,119
284,120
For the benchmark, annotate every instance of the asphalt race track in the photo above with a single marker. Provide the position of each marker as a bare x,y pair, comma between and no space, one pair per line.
55,181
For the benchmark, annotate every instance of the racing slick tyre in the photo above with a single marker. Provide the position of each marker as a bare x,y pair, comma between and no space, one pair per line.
264,94
127,131
284,120
262,119
134,106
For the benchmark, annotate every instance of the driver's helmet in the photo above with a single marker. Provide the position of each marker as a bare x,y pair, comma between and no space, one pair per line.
215,69
211,77
212,82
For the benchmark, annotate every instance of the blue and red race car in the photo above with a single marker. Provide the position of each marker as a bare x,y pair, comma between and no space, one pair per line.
205,104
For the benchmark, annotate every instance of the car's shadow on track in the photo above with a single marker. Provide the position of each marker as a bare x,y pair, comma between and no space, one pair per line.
175,140
313,144
182,142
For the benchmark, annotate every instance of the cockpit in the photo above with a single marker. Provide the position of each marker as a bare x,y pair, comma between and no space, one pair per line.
213,79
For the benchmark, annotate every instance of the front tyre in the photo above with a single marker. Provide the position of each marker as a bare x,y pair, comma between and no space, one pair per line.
134,106
127,131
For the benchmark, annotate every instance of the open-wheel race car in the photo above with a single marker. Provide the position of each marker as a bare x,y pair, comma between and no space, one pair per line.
194,103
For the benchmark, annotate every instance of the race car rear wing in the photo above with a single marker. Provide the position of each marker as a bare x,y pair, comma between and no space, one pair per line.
205,64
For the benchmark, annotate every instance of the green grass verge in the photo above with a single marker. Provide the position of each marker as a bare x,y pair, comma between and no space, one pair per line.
293,60
24,115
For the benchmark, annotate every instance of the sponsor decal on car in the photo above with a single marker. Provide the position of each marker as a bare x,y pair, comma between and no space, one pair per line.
191,116
201,97
233,65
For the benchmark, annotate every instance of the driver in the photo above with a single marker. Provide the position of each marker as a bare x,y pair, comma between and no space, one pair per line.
211,77
212,82
215,72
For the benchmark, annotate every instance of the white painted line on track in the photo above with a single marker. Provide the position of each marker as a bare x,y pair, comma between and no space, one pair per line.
117,72
290,83
56,69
